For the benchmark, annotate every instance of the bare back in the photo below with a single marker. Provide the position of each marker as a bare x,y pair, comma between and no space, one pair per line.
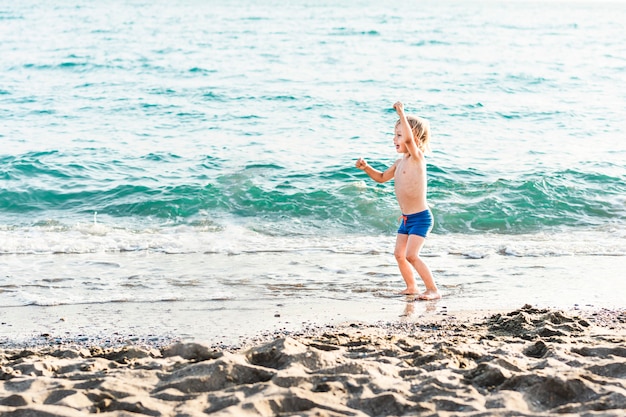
410,183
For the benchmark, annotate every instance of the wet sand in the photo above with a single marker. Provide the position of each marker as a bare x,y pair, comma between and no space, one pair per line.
526,362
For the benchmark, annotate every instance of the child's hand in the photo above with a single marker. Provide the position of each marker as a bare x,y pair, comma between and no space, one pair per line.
361,164
398,107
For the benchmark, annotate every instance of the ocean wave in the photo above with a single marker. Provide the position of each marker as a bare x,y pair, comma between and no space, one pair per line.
468,200
340,198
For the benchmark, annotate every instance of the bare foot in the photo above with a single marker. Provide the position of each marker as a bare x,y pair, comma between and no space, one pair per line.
410,291
429,295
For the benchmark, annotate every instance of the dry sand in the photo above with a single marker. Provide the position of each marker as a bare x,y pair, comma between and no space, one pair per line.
527,362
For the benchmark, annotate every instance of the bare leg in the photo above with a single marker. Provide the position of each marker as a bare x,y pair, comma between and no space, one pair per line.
405,267
413,248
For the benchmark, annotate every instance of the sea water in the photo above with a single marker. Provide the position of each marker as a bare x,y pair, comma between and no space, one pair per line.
203,151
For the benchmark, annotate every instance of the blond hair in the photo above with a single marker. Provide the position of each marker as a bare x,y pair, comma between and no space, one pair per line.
421,132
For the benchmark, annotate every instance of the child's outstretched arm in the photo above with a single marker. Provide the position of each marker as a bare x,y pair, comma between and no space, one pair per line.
375,174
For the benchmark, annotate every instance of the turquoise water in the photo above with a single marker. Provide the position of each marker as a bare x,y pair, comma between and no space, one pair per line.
208,129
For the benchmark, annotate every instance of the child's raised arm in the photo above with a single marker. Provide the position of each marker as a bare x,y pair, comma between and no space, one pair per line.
407,133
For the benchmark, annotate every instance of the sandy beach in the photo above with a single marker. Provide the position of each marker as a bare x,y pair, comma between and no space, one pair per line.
184,230
526,362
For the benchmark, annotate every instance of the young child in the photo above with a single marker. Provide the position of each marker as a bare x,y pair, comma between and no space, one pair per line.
412,137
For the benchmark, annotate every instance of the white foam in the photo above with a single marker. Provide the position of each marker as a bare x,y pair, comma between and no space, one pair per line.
96,237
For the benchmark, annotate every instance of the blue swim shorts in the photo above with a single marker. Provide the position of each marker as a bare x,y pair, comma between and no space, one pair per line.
416,224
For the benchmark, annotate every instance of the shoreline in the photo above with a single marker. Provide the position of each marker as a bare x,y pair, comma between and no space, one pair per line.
529,361
101,325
